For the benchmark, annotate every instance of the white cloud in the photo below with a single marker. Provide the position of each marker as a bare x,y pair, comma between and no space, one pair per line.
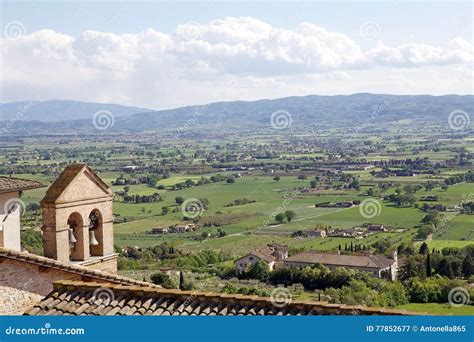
198,63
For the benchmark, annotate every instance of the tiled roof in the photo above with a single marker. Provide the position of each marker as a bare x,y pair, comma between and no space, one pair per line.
372,261
278,246
260,254
70,268
65,178
81,298
10,184
263,255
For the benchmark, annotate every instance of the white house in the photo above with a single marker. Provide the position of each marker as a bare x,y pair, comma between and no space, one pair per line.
247,261
269,254
11,208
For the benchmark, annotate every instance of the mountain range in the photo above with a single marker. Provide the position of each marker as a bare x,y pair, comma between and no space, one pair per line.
302,111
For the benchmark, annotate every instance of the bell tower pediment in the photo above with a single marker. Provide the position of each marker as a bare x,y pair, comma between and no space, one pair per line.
76,183
78,216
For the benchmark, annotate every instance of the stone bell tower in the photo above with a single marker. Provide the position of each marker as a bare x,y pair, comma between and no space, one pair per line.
78,220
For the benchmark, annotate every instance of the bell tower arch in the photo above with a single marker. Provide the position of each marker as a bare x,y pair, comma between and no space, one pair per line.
78,219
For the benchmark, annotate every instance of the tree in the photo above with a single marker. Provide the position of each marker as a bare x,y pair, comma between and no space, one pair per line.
179,200
424,248
276,178
413,267
126,188
165,210
302,177
445,268
230,180
430,186
355,184
467,269
313,184
280,218
290,215
162,279
428,265
411,199
259,270
152,181
181,281
432,217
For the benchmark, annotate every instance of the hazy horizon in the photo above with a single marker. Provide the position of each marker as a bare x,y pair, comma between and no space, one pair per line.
162,55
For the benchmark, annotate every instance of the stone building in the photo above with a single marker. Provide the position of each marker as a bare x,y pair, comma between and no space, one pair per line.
78,220
378,265
269,254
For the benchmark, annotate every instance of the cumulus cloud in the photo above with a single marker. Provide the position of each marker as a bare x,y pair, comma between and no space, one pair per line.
159,69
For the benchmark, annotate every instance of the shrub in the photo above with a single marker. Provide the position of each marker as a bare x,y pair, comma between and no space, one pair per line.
163,279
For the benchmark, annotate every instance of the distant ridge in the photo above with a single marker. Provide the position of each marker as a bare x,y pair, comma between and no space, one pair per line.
305,111
61,110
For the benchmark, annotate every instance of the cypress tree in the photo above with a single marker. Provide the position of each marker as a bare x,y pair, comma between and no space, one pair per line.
428,266
181,280
424,248
445,268
467,269
449,271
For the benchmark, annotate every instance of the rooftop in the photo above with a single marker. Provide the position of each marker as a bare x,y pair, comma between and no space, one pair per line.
260,254
69,267
85,298
12,184
371,261
66,177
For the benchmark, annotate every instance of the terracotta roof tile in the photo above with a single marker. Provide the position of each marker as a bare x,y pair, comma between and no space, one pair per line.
76,298
11,184
371,261
81,270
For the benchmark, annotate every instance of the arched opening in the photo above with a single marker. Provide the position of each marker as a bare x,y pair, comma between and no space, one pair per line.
78,249
96,233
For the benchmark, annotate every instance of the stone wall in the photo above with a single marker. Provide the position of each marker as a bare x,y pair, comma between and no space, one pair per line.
23,284
16,301
107,264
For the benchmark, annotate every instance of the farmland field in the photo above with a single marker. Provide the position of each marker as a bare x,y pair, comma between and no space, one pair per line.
389,194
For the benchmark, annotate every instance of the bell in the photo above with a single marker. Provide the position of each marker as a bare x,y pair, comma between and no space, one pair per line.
72,238
92,240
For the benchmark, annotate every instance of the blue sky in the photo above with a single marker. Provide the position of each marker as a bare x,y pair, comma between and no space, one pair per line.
430,22
104,51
